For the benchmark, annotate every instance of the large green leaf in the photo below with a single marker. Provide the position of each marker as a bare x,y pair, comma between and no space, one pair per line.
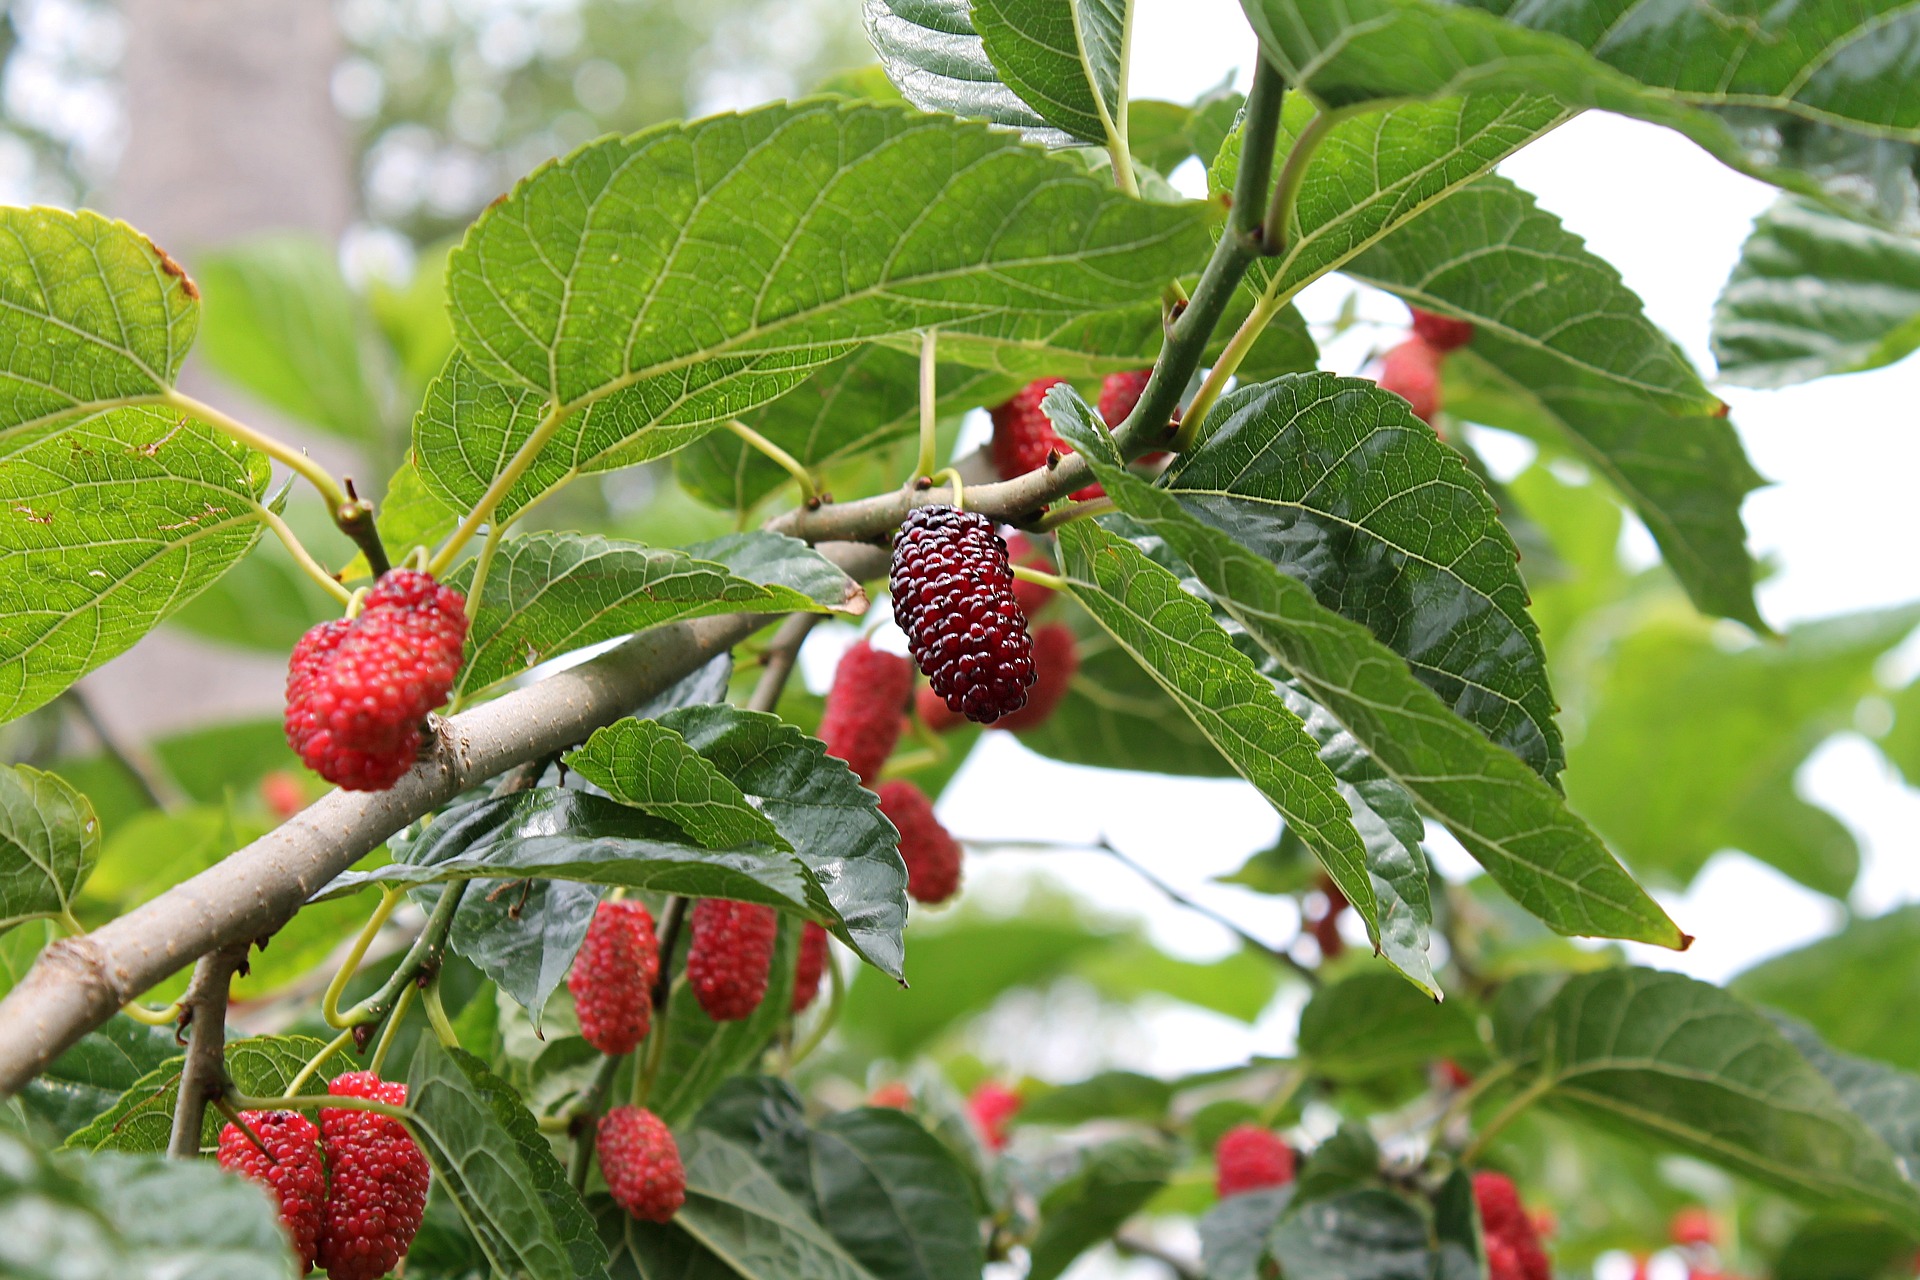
507,1205
937,60
729,289
649,766
701,1055
1818,62
736,1209
1843,986
524,934
1666,1057
49,843
1888,1100
141,1118
1174,637
1815,294
107,529
1067,59
115,1217
1233,1235
1370,1024
86,1080
282,324
550,593
1113,1182
643,1250
894,1196
1369,1234
98,316
1582,361
816,803
1510,819
1338,484
1669,791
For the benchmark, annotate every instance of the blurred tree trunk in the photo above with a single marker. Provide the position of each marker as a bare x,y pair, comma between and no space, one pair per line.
231,131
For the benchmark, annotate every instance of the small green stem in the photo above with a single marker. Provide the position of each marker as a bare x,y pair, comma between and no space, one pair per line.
334,1046
301,556
315,1101
582,1121
1284,1095
836,1000
502,485
1225,367
1286,188
1463,1101
152,1017
1068,512
1511,1112
399,1015
279,450
422,959
330,1003
809,491
656,1054
929,421
437,1015
1040,577
951,475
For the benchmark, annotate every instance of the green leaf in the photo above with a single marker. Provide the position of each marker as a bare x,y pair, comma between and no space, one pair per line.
1233,1235
49,843
939,63
1336,483
895,1197
1842,1247
1109,1094
1511,820
99,317
653,1250
113,1217
107,529
1662,1056
649,766
508,1206
524,934
912,222
1372,1024
1888,1100
1671,791
1812,62
1875,962
1114,1181
1347,1161
768,1119
1876,179
141,1119
562,834
1363,1235
1816,294
266,602
1376,170
738,1212
84,1081
1580,365
702,1055
1067,59
282,325
815,802
550,593
1174,637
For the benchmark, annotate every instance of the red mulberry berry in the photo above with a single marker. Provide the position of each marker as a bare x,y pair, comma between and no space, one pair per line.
933,711
613,976
357,689
1248,1158
810,967
1119,393
1412,372
1513,1244
641,1163
932,856
992,1106
378,1182
1033,596
1023,435
861,723
1056,656
1693,1226
895,1095
1442,333
283,793
290,1168
727,960
1452,1074
953,596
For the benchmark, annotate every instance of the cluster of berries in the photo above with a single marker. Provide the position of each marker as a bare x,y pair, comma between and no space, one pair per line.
351,1190
1512,1238
1411,370
358,688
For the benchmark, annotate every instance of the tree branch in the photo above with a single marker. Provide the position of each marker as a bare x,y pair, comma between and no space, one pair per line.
78,983
782,652
204,1077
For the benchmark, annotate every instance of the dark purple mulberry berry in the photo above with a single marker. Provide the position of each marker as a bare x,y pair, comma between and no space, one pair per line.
953,596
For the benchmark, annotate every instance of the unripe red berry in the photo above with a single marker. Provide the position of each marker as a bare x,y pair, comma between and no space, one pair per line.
1513,1245
283,794
1119,393
1056,657
728,958
1248,1158
810,967
1032,596
1023,435
358,689
895,1095
953,596
1412,372
992,1106
613,976
934,712
290,1168
861,722
1693,1226
931,854
1453,1075
641,1163
1442,333
377,1182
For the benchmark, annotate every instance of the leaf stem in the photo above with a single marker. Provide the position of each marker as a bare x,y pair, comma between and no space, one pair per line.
164,1017
582,1123
399,1015
1224,368
301,556
1067,513
330,1002
421,961
315,1101
517,466
929,393
1286,188
437,1015
333,1046
1508,1114
279,450
1039,577
836,1000
809,491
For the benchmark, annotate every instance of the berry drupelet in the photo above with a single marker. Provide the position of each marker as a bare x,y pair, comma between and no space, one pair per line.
953,596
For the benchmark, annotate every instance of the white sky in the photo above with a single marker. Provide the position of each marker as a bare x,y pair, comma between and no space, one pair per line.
1839,524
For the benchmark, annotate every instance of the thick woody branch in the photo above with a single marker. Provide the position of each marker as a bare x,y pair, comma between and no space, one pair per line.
78,983
204,1076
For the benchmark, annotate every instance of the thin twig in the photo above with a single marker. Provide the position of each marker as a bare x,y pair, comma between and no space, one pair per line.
673,915
582,1123
134,757
782,652
204,1076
